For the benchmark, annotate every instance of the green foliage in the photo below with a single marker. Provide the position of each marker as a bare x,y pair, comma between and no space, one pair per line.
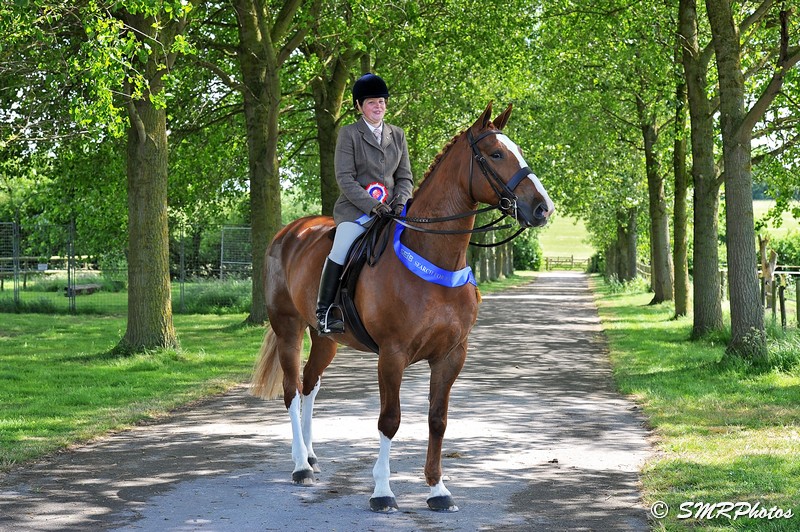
527,251
637,285
216,297
787,248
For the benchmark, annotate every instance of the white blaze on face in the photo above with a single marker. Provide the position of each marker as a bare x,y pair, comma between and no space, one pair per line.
513,148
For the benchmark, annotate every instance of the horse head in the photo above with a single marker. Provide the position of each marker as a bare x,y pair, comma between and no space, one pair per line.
509,183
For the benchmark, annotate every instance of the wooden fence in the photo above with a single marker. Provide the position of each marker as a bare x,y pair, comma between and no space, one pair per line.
774,295
565,263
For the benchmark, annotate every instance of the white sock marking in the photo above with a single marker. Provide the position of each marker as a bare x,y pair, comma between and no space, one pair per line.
299,451
381,470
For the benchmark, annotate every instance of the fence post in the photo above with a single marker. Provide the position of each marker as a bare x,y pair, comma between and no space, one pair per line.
15,262
71,266
183,265
797,298
774,295
782,298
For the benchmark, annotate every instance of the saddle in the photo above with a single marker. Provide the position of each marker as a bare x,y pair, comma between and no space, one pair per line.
366,250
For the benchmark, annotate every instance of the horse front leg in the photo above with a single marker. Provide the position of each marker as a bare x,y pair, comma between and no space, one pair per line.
390,375
444,371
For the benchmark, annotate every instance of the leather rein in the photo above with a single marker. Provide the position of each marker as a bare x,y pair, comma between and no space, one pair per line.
507,200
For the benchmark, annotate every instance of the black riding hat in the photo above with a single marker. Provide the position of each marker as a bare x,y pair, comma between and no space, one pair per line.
369,86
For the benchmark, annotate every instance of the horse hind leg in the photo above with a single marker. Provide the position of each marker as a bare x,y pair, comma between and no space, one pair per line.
322,352
278,367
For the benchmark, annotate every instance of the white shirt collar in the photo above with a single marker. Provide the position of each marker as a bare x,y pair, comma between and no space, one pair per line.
373,128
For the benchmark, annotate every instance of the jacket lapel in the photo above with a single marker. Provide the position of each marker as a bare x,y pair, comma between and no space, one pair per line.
387,136
366,133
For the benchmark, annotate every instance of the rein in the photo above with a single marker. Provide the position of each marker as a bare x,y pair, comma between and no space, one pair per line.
507,200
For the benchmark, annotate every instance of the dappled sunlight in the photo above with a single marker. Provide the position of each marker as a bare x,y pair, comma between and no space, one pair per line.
537,437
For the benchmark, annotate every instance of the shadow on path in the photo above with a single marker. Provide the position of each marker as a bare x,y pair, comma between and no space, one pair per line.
538,439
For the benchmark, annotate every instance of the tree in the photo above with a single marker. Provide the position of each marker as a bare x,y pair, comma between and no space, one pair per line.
109,57
156,28
608,63
707,305
251,61
737,124
680,254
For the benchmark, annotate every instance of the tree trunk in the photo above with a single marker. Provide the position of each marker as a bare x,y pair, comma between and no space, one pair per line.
661,260
611,262
707,306
631,236
328,98
509,255
260,58
747,317
329,87
499,261
680,248
484,266
621,259
150,322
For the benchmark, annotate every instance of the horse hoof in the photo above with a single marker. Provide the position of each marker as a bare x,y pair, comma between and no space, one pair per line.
304,477
444,503
314,463
384,505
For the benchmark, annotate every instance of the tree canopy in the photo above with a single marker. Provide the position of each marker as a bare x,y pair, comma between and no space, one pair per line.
249,95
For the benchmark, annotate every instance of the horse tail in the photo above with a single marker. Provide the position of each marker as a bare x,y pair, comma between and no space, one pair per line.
267,379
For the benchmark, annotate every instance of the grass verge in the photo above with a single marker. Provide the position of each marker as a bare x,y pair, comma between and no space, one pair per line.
726,432
59,386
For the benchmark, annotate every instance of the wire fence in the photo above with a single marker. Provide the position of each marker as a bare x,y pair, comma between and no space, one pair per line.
43,269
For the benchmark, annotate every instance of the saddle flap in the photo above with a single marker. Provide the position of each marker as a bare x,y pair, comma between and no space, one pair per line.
366,249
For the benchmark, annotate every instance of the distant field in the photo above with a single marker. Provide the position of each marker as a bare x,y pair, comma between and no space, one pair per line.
564,237
789,223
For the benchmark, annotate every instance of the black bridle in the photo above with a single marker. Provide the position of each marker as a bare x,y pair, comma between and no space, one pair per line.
507,200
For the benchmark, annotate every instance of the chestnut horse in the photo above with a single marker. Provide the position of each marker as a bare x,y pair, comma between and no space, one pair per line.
410,318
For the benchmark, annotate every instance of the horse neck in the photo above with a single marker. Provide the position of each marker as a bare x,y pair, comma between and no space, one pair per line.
445,193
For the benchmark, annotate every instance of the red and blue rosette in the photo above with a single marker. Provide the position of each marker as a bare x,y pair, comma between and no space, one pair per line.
378,191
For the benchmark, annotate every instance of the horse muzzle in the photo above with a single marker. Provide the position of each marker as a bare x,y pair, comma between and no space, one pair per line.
528,215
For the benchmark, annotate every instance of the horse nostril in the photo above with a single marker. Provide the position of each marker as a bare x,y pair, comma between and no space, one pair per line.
540,212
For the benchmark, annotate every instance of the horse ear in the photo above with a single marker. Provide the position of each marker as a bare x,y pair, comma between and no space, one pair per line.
486,117
502,118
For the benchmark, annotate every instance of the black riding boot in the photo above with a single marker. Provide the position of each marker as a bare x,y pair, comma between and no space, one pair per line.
328,320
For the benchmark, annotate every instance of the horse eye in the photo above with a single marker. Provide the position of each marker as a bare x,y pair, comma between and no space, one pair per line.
497,155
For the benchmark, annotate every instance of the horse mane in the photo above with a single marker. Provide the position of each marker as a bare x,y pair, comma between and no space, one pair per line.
438,158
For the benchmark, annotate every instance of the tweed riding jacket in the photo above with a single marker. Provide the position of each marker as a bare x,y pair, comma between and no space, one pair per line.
360,161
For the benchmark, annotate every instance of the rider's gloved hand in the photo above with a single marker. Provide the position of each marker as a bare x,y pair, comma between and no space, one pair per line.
381,209
397,209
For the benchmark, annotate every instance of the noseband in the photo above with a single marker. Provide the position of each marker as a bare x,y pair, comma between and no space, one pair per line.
507,200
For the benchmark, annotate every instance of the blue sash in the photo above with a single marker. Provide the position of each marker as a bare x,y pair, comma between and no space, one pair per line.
427,270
